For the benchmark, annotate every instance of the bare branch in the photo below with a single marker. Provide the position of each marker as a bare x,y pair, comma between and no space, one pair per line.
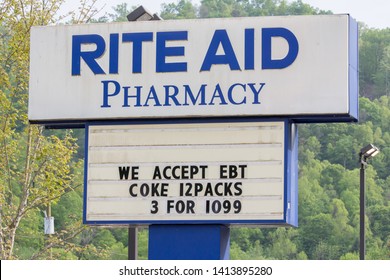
60,239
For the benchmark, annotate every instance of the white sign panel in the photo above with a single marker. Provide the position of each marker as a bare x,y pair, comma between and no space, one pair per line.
304,67
203,173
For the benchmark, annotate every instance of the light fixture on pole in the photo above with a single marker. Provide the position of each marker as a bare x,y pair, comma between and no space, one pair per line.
141,14
368,152
365,154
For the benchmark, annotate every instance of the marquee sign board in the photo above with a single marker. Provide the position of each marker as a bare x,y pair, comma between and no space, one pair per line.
235,173
298,67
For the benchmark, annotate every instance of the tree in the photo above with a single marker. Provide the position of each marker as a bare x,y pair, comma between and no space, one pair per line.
382,77
373,61
184,9
236,8
283,245
316,237
35,165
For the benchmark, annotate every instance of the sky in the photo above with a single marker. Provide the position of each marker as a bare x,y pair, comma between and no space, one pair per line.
374,13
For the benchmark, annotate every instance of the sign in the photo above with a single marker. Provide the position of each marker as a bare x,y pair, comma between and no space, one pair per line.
235,172
300,67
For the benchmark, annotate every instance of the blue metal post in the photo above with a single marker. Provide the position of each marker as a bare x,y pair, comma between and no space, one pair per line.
189,242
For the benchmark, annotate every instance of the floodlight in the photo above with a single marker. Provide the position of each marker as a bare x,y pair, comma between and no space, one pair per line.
141,14
367,152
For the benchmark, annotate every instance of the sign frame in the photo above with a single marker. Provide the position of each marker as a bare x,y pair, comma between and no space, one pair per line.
54,102
290,169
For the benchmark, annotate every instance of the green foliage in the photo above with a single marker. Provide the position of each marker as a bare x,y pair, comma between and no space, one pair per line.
374,62
245,237
121,235
103,238
120,14
118,252
61,254
67,210
184,9
350,256
379,216
283,246
255,8
143,244
254,252
27,241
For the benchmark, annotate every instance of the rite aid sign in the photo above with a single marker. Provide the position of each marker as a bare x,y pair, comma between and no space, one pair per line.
299,67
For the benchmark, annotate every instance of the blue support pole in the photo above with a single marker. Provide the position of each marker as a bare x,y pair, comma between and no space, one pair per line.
189,242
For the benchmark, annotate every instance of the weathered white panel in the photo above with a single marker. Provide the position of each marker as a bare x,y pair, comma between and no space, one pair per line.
320,82
144,136
186,153
120,189
138,209
255,169
188,176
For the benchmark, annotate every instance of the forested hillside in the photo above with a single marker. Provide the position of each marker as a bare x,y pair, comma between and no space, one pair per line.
42,170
